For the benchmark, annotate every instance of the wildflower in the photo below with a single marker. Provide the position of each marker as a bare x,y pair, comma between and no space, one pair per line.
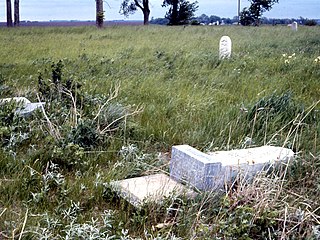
292,56
289,57
317,60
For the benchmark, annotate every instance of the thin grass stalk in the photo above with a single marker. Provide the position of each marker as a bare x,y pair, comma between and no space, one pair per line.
24,224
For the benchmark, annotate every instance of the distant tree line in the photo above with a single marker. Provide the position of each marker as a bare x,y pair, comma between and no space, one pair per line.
213,19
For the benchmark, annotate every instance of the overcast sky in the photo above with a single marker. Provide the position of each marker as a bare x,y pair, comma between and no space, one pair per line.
85,9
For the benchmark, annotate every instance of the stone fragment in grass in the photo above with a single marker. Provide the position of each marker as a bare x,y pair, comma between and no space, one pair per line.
152,188
29,108
225,47
20,100
24,106
213,170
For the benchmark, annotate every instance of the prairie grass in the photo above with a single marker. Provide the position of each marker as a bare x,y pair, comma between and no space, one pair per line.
54,172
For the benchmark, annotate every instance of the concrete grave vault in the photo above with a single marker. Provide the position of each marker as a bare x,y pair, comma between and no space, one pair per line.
211,171
191,168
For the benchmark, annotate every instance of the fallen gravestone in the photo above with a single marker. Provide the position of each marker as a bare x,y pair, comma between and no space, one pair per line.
24,106
199,170
225,47
211,171
152,188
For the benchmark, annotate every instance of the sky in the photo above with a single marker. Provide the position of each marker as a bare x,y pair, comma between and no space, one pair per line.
45,10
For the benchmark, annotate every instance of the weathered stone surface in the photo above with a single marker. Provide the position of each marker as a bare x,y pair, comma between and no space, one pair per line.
25,107
151,188
225,47
193,167
213,170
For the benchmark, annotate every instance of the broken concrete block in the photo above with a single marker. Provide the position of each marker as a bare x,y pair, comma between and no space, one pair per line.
195,168
29,108
153,188
25,107
211,171
20,100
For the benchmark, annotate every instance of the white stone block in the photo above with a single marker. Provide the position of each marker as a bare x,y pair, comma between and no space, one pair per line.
25,107
152,188
195,168
294,26
213,170
225,47
20,100
29,108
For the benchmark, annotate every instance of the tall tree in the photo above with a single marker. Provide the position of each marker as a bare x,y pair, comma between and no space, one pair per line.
253,14
99,13
9,13
131,6
180,11
16,13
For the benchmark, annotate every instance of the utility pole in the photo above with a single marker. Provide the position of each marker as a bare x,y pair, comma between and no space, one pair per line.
239,12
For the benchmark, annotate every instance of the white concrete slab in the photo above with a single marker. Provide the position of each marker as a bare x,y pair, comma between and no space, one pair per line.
25,107
211,171
251,156
24,101
29,108
152,188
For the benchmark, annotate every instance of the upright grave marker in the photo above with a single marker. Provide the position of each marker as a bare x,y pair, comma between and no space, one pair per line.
225,47
294,26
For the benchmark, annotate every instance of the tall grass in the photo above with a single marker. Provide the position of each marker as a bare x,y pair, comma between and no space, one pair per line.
268,92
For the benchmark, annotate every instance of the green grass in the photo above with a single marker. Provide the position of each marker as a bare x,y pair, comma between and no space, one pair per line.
188,96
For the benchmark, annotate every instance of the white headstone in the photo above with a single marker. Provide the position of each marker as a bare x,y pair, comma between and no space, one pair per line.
25,107
225,47
294,26
22,100
211,171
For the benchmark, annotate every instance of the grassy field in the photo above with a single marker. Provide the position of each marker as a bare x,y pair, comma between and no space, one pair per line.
120,97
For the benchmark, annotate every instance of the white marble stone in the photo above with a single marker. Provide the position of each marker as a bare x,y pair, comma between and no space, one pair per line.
29,108
25,107
152,188
22,100
211,171
294,26
225,47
